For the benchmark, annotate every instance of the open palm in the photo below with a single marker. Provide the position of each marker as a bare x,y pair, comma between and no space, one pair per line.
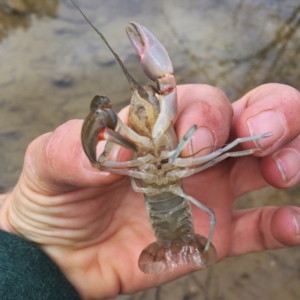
94,226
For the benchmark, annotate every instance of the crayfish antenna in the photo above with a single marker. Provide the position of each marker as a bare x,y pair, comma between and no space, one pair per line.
134,86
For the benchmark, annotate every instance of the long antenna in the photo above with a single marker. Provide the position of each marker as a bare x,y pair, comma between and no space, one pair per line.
133,84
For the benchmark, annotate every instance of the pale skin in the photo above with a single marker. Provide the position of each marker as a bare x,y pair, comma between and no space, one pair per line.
94,226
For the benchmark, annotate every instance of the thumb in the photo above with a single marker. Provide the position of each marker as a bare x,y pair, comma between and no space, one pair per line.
55,163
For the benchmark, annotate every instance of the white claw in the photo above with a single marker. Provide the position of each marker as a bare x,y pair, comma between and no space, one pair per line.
154,57
157,64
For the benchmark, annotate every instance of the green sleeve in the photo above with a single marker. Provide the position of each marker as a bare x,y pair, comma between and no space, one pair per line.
27,273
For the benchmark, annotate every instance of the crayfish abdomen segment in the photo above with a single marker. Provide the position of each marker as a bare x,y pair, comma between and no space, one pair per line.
177,243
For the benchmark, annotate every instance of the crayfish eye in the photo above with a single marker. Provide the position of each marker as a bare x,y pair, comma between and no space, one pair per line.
100,102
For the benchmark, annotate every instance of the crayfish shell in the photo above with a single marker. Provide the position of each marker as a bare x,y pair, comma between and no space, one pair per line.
142,115
163,258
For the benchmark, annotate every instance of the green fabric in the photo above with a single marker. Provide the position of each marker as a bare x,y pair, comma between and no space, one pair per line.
27,273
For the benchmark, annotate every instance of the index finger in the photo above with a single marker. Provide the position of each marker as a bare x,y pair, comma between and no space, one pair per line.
271,108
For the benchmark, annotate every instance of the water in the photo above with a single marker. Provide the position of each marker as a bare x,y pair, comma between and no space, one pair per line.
52,64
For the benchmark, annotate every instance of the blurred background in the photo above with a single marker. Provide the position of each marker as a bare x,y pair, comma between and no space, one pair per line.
52,64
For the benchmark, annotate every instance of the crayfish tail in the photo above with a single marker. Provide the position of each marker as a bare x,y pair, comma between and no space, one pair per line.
164,257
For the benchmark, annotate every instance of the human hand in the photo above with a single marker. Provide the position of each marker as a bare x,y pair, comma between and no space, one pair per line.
94,226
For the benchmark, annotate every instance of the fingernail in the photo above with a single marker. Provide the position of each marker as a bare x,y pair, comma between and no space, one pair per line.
288,162
296,220
202,142
113,156
267,121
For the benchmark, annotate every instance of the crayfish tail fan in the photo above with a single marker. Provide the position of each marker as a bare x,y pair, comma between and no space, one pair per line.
164,257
